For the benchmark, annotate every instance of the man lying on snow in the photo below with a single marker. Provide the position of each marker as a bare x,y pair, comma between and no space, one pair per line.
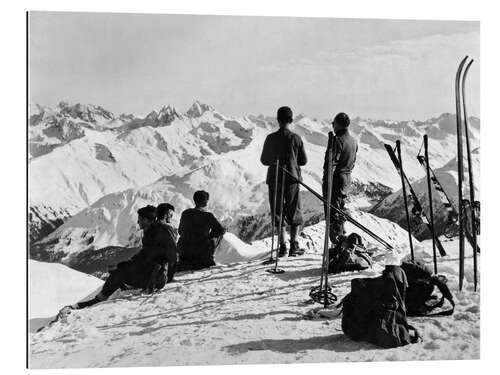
287,147
145,269
199,233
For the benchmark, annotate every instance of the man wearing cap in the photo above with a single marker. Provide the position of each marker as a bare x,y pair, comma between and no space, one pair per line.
138,271
345,148
200,233
287,147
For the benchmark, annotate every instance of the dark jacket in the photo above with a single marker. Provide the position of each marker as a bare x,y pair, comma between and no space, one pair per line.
158,246
289,148
345,148
197,230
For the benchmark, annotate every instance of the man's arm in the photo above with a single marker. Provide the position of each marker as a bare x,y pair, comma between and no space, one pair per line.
301,156
181,224
267,157
216,228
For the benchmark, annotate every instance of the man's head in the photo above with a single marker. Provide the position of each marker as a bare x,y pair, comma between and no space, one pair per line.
200,198
165,211
341,122
285,116
146,216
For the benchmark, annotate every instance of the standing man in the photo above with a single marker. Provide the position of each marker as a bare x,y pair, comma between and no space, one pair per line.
345,148
286,146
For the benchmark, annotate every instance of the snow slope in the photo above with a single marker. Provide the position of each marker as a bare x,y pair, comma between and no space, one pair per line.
238,313
52,286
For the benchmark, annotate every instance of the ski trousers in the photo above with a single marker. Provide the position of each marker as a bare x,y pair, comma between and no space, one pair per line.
292,213
340,190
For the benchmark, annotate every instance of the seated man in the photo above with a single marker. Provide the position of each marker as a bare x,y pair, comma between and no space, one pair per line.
164,214
199,233
143,269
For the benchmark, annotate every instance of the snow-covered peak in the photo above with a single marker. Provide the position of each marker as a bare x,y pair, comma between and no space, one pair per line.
86,112
198,109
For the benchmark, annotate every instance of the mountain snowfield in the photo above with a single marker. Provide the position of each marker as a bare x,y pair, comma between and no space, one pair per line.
237,313
90,170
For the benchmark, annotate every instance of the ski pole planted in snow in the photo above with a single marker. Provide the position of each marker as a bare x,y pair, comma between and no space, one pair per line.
273,213
431,211
280,224
417,207
322,293
405,198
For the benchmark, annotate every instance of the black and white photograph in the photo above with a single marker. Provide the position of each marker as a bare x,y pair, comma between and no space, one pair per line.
236,189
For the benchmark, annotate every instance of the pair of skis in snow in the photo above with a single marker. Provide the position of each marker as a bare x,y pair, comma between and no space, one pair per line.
417,206
462,122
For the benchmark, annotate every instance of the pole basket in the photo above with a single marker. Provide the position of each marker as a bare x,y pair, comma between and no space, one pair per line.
326,297
275,270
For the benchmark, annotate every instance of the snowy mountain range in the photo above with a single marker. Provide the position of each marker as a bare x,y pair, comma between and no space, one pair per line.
90,170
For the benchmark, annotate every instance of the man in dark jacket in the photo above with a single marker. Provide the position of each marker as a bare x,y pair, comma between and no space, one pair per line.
345,148
287,147
164,214
199,233
143,269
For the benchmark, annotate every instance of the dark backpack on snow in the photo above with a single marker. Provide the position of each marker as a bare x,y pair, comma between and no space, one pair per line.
374,311
421,284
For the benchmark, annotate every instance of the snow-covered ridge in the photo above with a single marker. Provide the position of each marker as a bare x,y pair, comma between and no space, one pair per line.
82,153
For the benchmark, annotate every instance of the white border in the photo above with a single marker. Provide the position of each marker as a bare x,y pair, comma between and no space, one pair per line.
14,181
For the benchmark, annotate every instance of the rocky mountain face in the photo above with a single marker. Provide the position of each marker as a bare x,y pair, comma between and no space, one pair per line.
90,170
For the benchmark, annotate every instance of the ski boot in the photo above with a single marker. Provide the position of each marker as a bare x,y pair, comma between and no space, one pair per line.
283,250
295,251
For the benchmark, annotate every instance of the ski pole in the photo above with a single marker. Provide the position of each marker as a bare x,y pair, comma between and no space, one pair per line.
431,211
345,215
405,198
280,224
471,178
326,250
273,212
460,171
322,293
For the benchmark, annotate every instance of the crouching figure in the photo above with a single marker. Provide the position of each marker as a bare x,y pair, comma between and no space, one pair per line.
146,269
200,232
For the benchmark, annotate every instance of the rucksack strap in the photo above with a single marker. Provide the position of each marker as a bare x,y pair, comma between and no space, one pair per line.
446,294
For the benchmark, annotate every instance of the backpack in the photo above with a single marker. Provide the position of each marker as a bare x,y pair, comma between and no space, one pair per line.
374,311
349,255
421,283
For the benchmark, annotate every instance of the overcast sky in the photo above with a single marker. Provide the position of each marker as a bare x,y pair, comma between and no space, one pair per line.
249,65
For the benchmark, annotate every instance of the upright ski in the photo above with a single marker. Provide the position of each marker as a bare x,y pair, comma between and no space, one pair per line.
416,203
460,170
445,200
471,177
